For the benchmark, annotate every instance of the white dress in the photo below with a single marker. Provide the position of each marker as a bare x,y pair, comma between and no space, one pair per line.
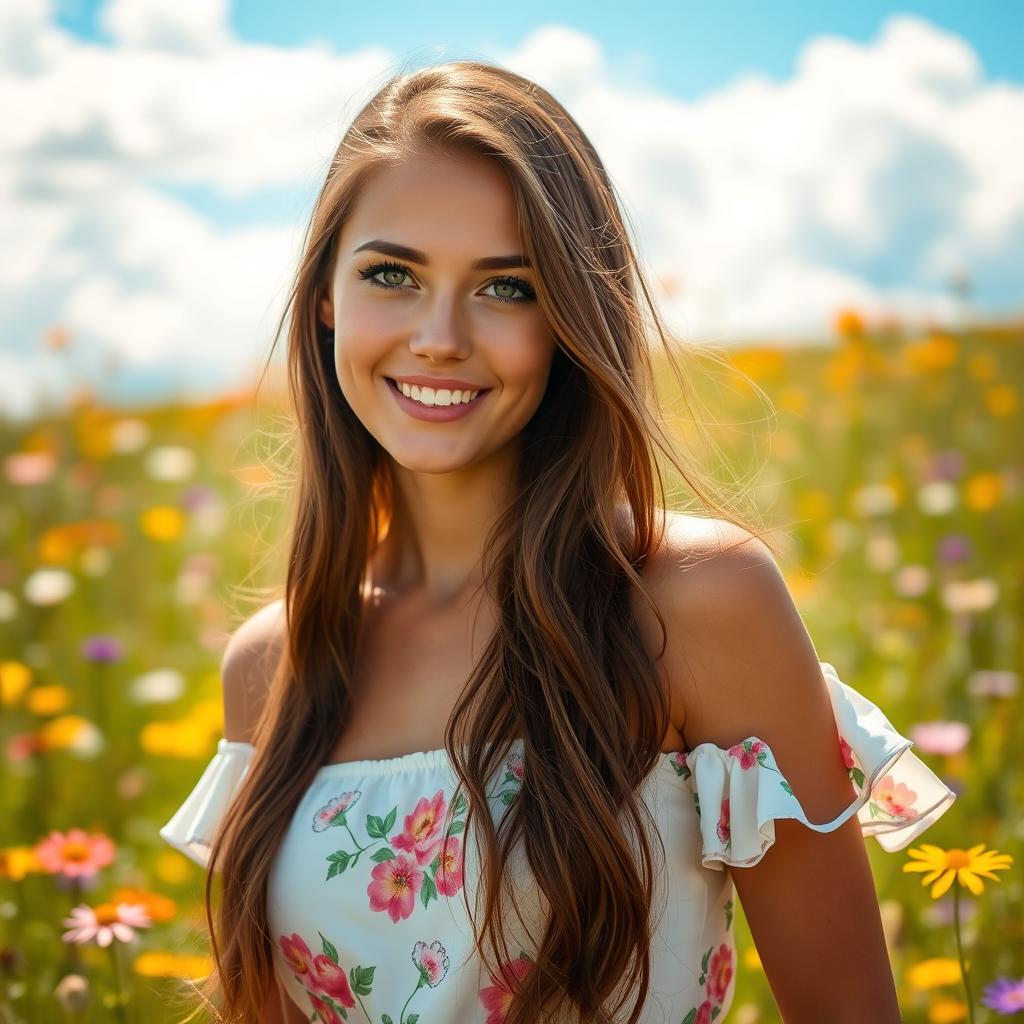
366,892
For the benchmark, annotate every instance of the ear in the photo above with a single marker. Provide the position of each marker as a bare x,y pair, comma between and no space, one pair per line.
326,310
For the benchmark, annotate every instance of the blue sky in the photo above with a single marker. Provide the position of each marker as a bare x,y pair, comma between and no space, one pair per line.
684,48
775,162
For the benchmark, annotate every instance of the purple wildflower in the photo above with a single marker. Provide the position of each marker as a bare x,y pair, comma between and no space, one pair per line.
102,649
196,496
1005,996
947,465
954,547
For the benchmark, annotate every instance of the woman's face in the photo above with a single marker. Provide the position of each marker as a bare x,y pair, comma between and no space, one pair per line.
429,312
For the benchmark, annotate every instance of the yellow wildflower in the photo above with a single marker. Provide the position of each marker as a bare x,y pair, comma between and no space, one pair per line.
963,866
1001,400
155,964
982,491
162,523
14,680
933,973
172,867
18,861
947,1011
48,700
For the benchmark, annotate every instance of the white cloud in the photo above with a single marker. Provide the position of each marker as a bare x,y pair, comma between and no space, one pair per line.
869,177
866,178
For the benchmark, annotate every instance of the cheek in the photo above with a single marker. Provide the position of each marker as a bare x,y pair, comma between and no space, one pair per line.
524,359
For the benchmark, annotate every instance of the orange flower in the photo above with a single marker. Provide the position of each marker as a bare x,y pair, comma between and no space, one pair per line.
159,908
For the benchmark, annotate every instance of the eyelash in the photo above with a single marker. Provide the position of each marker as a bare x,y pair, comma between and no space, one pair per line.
369,274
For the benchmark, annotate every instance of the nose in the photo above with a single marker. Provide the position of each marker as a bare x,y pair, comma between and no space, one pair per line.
442,335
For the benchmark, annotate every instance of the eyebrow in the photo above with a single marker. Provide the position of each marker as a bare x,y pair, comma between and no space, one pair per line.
403,252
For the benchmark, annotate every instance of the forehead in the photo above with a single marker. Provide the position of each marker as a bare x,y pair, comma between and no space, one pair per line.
437,202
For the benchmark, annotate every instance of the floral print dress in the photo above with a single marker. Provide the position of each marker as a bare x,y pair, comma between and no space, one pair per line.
368,890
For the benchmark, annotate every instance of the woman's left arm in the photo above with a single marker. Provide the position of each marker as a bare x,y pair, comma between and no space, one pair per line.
751,670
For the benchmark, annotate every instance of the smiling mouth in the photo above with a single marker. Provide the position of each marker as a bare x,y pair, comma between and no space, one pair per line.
393,384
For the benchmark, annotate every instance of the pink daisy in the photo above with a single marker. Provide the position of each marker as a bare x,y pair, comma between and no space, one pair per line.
75,854
105,923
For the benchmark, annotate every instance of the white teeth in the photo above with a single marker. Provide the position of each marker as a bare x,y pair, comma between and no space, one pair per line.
430,397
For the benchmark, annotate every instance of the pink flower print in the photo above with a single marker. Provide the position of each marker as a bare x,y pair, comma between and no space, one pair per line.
333,812
448,878
325,1013
703,1013
394,887
747,753
422,833
498,997
723,829
719,974
678,761
432,961
328,979
516,764
297,955
894,798
847,752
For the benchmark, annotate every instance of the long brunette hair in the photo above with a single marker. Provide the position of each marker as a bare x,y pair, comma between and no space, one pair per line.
566,669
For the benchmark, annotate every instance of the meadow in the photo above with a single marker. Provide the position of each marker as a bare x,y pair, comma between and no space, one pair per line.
132,542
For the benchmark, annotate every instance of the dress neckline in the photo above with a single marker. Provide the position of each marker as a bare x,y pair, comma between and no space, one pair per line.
428,760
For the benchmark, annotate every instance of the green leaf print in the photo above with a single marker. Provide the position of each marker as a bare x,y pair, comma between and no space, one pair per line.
858,777
386,1019
412,1018
786,786
429,891
460,803
456,828
338,861
690,1017
375,827
696,802
715,1011
329,950
728,913
361,979
389,821
383,854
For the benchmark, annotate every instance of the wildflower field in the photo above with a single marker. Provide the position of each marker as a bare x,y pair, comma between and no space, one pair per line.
132,542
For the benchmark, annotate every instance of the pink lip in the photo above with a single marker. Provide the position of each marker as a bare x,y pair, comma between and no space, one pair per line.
435,413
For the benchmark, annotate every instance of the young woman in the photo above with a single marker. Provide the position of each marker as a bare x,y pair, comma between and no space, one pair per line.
514,733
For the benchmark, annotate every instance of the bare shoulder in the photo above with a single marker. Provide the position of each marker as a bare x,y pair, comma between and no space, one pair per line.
736,644
247,668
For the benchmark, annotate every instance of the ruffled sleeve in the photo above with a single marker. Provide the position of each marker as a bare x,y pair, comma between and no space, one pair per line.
194,825
740,792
